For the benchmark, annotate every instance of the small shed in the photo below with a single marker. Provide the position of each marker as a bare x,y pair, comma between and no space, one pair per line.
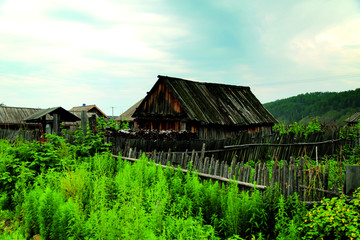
213,111
353,119
51,117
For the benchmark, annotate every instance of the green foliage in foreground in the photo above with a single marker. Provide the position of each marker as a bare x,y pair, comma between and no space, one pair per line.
334,219
51,191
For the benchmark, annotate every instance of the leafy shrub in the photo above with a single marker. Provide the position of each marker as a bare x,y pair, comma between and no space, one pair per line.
31,212
333,219
49,202
66,221
289,217
75,185
298,128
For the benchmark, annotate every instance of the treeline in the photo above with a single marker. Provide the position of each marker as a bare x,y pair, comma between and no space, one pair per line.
329,107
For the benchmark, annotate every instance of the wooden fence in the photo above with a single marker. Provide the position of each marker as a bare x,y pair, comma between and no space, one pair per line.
10,134
246,146
311,183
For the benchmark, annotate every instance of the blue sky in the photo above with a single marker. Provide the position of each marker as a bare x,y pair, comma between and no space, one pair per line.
109,52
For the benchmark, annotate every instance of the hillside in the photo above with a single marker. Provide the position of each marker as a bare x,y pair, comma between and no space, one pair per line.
327,106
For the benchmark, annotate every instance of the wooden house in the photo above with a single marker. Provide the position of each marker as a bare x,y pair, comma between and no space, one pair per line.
13,117
213,111
89,109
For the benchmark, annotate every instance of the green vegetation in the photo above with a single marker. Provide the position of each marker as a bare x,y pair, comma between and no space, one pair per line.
298,128
99,197
333,219
327,106
112,123
60,190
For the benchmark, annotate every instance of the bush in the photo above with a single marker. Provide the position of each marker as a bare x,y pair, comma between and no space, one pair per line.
333,219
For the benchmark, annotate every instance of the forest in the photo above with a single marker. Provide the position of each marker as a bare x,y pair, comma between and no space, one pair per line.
329,107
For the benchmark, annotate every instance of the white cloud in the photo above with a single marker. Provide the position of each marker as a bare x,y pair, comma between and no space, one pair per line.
336,48
125,33
93,51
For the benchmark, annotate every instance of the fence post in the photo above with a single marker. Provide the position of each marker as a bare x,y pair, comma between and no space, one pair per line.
206,165
168,157
202,156
186,161
192,159
291,177
174,159
233,166
237,170
266,176
300,178
84,122
221,173
201,164
255,173
226,170
285,178
92,123
241,173
212,165
274,174
216,172
56,124
248,174
259,174
352,181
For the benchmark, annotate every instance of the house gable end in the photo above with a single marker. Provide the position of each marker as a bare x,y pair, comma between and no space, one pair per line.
160,102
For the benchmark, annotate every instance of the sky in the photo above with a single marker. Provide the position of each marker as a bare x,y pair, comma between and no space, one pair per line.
109,52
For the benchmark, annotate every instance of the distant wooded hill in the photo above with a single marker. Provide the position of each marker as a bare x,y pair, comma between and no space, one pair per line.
327,106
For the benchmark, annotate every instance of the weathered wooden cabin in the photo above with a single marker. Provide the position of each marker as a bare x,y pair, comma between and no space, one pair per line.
13,117
353,119
213,111
50,119
89,109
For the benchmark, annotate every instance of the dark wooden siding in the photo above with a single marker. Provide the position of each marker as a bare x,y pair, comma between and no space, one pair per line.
162,102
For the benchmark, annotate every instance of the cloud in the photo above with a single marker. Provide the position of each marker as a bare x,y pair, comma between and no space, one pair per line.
31,34
336,48
84,50
110,52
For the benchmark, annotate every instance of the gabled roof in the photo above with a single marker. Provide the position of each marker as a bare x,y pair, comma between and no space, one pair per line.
213,103
15,115
65,116
87,108
353,118
127,115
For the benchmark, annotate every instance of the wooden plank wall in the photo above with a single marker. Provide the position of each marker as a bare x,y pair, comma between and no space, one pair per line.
12,135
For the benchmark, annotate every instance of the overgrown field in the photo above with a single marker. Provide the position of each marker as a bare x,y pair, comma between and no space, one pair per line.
79,191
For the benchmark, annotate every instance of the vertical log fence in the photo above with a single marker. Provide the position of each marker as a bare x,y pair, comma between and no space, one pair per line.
311,183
